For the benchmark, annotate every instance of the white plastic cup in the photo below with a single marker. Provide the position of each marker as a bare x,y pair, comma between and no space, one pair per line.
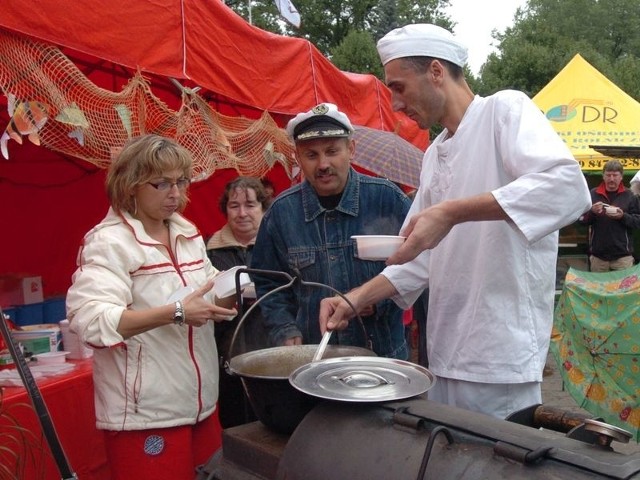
72,344
225,282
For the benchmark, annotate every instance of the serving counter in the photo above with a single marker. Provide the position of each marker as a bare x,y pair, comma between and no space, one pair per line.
69,399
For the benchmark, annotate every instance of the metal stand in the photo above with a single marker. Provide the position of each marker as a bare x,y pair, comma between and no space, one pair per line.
38,403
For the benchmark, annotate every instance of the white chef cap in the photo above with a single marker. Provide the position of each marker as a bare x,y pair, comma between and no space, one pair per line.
421,40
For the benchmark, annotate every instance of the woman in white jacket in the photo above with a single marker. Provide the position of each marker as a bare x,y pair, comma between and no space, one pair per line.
140,297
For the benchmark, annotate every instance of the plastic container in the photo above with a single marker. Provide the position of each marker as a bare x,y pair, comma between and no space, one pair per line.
225,282
38,338
54,310
27,315
6,361
377,247
72,343
11,312
51,358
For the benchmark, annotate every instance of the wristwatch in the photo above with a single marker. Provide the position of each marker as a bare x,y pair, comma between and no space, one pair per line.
178,315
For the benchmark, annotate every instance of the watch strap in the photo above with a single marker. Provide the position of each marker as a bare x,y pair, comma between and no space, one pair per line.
178,315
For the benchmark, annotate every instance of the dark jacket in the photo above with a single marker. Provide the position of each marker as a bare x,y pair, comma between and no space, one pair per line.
226,252
610,239
301,237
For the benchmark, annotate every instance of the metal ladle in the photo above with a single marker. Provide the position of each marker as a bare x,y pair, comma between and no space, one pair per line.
323,346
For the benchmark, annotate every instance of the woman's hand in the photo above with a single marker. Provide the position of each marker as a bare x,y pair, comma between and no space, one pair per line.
198,311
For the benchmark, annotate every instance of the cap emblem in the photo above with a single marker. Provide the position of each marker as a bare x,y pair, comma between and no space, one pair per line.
321,109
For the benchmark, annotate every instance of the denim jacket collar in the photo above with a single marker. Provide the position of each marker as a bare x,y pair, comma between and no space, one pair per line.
349,203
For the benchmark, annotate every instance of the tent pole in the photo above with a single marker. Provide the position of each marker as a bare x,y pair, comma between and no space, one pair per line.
249,5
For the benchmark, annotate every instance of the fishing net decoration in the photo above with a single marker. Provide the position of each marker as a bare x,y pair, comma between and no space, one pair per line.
91,123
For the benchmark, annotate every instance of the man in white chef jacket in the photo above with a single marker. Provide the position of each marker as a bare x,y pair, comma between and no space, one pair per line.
482,233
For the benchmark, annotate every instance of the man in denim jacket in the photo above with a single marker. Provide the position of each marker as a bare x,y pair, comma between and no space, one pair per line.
307,233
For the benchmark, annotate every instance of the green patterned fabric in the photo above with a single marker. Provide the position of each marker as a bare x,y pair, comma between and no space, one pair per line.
596,342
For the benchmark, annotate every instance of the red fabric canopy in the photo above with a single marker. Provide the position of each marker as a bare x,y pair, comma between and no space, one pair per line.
49,201
206,42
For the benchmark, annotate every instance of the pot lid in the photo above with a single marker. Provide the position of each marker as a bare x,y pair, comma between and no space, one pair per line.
362,379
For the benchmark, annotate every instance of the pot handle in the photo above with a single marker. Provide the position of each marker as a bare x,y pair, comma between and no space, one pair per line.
267,273
291,281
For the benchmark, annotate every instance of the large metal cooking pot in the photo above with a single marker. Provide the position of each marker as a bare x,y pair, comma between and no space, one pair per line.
265,377
265,373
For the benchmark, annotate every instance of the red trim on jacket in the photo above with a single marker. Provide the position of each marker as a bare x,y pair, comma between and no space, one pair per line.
602,189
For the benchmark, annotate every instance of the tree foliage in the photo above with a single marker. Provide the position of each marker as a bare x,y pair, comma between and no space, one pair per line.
357,53
346,31
547,34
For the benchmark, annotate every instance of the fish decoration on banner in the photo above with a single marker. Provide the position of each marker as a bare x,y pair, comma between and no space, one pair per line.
74,116
78,135
27,118
125,117
271,157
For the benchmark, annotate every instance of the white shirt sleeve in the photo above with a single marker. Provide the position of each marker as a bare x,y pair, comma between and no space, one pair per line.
548,190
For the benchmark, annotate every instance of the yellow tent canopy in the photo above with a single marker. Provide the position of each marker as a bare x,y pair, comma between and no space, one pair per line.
587,109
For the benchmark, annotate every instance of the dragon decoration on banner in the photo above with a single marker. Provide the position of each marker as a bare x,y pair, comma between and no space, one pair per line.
53,104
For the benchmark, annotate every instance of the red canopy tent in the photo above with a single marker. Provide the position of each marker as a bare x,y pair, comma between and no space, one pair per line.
206,42
51,200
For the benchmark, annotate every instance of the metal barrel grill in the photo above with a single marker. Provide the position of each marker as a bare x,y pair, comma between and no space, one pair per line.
419,439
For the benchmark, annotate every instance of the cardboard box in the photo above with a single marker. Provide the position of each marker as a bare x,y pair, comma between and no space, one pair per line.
16,290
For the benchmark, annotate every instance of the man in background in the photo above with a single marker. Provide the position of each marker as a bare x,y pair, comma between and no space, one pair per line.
614,215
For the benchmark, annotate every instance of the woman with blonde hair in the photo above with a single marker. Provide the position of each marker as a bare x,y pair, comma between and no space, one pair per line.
141,298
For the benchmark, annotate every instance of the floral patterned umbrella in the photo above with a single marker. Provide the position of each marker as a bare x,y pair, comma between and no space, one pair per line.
596,342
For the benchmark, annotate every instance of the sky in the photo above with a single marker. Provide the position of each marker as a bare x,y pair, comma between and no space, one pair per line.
476,19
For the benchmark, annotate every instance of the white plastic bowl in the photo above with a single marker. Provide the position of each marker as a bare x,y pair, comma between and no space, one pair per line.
377,247
225,282
51,358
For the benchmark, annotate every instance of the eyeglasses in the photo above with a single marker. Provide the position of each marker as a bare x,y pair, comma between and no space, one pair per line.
181,183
